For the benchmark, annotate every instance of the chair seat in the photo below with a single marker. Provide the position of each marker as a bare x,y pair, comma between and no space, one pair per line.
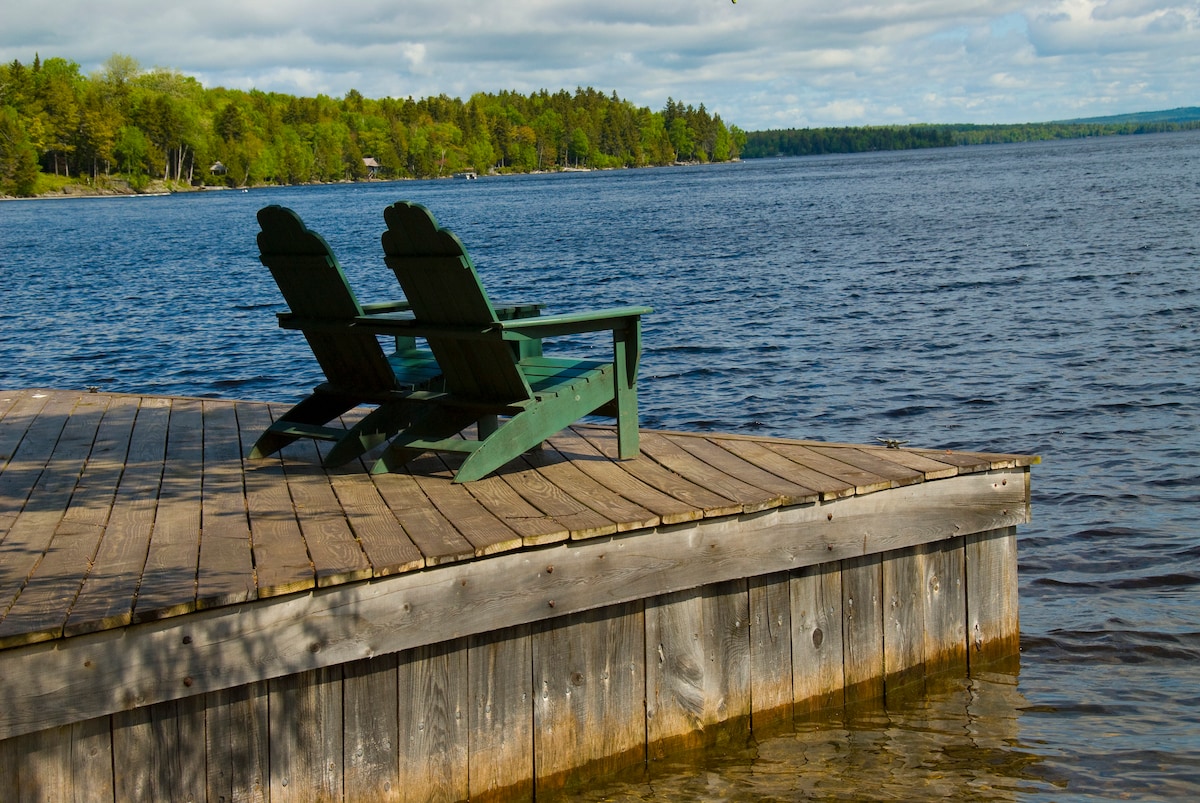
415,369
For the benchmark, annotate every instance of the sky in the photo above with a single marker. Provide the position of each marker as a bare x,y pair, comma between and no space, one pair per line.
759,64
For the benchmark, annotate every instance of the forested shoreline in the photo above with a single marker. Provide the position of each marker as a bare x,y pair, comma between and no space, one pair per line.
816,141
124,128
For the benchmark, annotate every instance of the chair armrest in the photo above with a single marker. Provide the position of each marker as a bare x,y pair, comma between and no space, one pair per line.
519,309
516,329
386,306
403,325
513,310
572,322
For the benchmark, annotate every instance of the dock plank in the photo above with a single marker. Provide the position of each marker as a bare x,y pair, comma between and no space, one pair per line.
534,526
370,701
18,412
57,473
993,620
433,534
674,457
433,721
589,681
236,739
92,501
575,448
945,628
752,451
771,690
579,520
486,533
305,719
24,414
818,643
905,619
8,401
106,599
336,554
168,586
40,611
387,546
873,462
931,469
707,501
698,667
225,574
43,606
863,626
863,482
154,751
589,493
501,724
281,561
712,453
966,462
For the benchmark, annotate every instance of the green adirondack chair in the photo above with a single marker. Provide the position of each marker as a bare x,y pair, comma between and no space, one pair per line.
357,371
517,397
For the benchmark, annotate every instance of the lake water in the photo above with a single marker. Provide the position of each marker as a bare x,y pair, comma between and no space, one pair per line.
1038,298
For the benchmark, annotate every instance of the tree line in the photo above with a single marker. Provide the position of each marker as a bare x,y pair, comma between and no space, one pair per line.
814,141
129,125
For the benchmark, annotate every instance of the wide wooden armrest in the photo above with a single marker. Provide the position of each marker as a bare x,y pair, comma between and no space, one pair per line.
516,329
386,306
521,309
404,325
518,309
290,320
572,322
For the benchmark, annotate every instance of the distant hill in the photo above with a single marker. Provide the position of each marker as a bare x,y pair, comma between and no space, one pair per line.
1186,114
810,141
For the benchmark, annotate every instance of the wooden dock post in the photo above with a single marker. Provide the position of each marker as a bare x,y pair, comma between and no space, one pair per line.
697,667
818,663
993,631
589,695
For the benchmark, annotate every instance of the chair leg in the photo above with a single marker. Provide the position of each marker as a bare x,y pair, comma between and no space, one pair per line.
376,427
626,399
425,429
627,430
319,408
487,426
528,428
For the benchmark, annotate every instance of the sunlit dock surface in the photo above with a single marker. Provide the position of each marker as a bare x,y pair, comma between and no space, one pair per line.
595,608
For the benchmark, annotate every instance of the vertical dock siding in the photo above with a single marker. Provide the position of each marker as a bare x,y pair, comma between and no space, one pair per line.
180,622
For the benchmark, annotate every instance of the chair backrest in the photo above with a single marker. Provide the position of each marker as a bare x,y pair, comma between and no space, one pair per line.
321,302
440,282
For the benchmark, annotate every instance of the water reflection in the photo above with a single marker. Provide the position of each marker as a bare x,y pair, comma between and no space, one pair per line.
960,740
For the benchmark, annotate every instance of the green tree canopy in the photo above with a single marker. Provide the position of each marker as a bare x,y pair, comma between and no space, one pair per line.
127,123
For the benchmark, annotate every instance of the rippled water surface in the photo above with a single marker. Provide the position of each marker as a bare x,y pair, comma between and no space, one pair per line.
1036,298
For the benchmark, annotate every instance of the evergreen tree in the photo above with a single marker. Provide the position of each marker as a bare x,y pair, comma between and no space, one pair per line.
18,158
160,124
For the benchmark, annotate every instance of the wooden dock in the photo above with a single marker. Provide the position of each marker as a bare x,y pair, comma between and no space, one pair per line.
217,628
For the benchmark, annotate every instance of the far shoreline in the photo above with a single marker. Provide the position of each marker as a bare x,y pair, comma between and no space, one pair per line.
160,188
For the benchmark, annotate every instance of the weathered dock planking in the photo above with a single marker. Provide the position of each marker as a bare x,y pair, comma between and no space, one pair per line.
220,628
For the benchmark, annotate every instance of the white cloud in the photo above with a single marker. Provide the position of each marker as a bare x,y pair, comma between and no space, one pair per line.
1093,27
759,63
